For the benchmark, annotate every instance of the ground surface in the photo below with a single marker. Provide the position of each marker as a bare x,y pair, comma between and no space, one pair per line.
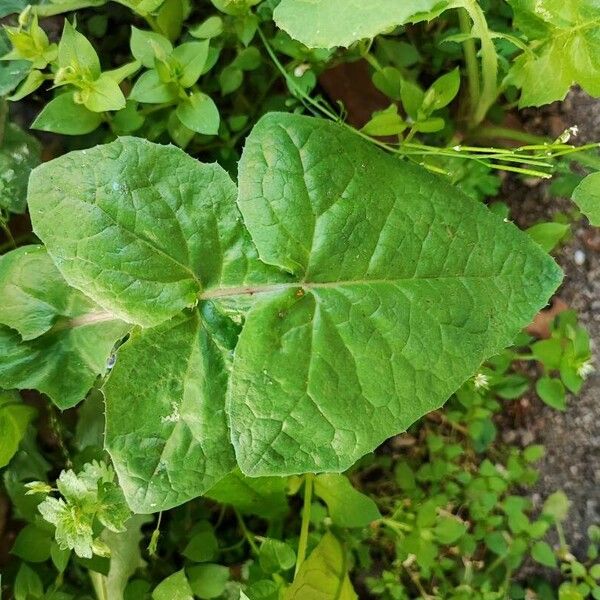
572,439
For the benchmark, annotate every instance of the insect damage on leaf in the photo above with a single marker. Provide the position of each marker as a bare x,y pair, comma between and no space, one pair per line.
341,297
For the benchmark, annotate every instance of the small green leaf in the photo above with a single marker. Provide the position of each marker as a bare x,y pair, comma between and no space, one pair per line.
14,420
442,91
76,52
208,29
556,506
19,154
412,98
449,530
230,79
146,44
200,114
587,198
191,58
262,496
389,81
325,570
32,82
203,545
543,554
27,584
248,59
60,558
150,88
275,556
174,587
63,115
347,506
32,544
124,71
103,94
548,235
208,581
552,392
385,122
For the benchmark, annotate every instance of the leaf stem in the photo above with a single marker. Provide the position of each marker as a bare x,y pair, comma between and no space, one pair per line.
304,527
247,534
489,61
470,53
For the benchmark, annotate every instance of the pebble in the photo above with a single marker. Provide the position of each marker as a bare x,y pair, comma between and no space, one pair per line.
579,257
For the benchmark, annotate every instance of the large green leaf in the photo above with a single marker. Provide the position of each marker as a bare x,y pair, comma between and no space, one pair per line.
404,287
565,36
330,23
52,338
587,198
141,228
165,413
386,289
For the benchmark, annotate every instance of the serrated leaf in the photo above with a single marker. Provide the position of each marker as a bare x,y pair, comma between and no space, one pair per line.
330,23
324,574
565,49
375,245
19,154
56,326
587,198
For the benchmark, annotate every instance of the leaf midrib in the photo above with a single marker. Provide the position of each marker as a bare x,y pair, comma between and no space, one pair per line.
251,290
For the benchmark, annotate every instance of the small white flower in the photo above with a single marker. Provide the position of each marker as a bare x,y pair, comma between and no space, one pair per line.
585,369
481,381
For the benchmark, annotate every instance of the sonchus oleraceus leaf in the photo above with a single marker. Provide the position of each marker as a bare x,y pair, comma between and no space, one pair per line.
342,297
331,23
52,338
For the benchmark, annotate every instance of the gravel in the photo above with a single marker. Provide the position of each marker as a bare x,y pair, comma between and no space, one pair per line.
572,438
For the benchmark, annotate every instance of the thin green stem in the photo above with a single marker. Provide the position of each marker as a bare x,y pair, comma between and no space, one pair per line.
507,133
489,61
304,527
470,53
247,534
3,118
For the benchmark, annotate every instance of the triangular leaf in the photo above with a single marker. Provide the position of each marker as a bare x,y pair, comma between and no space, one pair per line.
405,286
